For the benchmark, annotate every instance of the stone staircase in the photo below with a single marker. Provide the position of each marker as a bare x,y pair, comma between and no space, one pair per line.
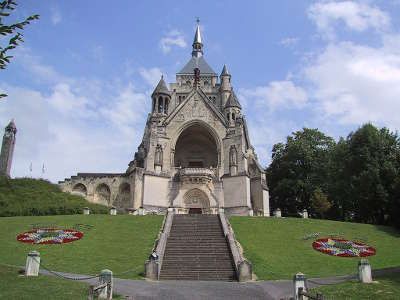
197,250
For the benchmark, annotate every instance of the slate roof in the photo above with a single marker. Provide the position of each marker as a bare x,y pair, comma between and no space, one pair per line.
233,101
225,71
197,62
161,87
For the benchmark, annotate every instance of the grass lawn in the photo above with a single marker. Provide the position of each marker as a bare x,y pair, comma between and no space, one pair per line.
15,286
384,287
117,243
277,249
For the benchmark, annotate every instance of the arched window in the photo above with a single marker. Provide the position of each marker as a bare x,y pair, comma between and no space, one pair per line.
227,116
188,82
179,99
160,104
214,100
206,83
166,106
233,116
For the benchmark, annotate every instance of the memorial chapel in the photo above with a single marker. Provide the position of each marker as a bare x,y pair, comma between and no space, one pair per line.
195,156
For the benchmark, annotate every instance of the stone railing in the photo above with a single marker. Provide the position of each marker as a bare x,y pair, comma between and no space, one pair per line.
197,175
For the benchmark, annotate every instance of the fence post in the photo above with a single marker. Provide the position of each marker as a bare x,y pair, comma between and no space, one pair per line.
106,276
32,264
364,271
113,211
299,281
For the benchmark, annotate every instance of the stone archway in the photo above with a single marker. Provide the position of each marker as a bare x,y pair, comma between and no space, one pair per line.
196,200
79,189
123,199
196,147
102,194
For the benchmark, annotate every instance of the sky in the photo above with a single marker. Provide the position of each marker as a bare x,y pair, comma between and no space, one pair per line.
79,86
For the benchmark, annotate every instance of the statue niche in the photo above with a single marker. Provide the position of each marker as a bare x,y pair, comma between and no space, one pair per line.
158,158
233,160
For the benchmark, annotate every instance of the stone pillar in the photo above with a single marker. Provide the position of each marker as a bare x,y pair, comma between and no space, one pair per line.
32,264
364,271
151,269
278,213
305,214
299,281
113,211
106,276
86,211
245,271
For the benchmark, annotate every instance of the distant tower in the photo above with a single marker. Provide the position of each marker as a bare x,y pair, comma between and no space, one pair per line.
7,149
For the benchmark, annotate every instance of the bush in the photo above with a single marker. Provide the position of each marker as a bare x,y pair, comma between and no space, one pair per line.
38,197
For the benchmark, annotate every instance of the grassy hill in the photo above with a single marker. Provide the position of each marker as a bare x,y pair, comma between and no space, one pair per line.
278,249
36,197
118,243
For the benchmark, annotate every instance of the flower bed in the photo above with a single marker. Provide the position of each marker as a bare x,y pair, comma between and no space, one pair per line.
50,236
343,248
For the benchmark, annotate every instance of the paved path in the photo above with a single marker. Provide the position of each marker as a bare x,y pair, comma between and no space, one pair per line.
194,290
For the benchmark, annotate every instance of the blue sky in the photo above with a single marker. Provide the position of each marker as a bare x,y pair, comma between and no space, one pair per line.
79,86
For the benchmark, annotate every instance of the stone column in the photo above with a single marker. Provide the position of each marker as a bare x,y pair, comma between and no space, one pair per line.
32,264
106,276
364,271
299,281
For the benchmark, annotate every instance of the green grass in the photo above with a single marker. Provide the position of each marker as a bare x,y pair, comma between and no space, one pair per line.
117,243
16,286
35,197
277,249
384,287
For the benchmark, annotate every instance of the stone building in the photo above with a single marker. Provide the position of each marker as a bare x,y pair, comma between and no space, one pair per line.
7,149
195,155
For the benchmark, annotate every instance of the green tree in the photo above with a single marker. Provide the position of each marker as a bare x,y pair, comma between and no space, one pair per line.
298,168
372,173
11,31
320,203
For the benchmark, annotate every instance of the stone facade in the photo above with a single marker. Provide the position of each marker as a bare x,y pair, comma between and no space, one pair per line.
7,149
195,153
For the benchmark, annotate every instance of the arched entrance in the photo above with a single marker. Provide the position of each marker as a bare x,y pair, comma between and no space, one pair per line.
196,147
196,201
102,194
79,189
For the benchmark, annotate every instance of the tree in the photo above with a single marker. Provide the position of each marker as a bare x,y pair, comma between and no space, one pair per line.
12,31
320,203
298,168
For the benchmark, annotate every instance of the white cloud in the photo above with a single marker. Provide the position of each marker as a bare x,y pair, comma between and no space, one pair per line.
289,41
357,83
78,126
56,17
355,15
173,38
276,95
151,76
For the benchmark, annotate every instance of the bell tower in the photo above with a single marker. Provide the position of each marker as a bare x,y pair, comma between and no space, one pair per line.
7,149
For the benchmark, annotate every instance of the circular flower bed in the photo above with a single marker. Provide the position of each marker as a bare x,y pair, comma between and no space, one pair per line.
50,236
343,248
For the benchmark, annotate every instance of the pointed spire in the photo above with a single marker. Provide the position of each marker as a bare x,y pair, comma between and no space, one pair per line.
233,101
161,87
225,71
197,36
197,42
11,125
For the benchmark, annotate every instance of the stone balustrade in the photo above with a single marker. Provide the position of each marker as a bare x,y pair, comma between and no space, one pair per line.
197,175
